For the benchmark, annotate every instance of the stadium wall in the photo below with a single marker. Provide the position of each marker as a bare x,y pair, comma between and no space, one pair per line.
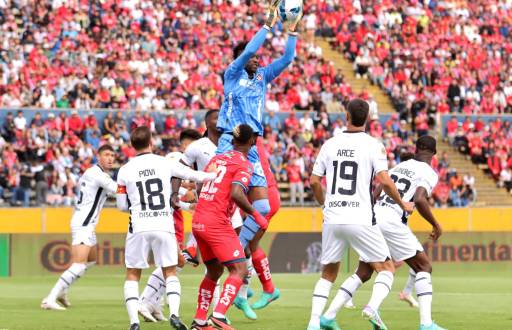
36,241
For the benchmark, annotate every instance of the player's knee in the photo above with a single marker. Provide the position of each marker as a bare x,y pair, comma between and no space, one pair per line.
364,274
262,206
239,269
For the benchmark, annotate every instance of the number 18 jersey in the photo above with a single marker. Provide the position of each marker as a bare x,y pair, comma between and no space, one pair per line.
349,161
215,205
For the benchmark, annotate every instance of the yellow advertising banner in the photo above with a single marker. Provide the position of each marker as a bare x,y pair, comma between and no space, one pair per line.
56,220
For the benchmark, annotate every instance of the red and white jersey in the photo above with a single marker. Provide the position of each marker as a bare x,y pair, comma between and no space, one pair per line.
408,177
94,186
349,161
146,181
215,205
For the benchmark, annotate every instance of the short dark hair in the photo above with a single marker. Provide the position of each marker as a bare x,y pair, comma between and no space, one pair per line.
426,142
140,138
190,134
239,48
358,110
242,134
406,155
209,113
105,147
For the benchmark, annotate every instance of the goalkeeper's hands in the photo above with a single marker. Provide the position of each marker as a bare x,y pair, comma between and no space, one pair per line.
272,13
292,27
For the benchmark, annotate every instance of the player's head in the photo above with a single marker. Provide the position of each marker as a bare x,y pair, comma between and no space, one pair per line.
106,157
141,139
357,112
426,145
187,136
210,119
253,63
243,138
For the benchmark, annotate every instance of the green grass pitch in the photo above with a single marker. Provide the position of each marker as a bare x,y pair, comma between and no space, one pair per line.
475,296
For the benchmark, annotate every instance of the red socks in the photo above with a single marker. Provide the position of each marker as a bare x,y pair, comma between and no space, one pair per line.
262,267
228,295
204,298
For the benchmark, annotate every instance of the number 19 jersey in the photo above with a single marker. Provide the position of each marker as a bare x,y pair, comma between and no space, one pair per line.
350,160
408,176
215,205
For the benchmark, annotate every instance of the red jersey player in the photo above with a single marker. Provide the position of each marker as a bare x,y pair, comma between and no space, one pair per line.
211,225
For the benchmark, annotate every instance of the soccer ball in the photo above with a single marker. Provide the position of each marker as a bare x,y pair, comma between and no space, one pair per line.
289,10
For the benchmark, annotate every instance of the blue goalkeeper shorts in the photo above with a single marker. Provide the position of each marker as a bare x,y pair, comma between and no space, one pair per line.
258,176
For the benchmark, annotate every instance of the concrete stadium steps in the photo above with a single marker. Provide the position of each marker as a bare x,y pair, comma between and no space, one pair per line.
358,85
488,194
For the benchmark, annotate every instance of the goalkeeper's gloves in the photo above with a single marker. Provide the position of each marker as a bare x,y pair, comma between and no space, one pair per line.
272,13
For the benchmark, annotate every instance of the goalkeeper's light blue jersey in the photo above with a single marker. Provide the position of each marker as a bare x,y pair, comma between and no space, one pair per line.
244,98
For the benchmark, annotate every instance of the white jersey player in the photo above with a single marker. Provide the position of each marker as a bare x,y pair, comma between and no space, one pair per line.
144,189
415,180
350,160
94,185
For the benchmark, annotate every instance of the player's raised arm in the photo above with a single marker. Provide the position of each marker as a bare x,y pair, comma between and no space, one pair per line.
275,68
238,65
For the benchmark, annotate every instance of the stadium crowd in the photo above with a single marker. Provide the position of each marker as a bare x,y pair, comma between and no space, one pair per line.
146,55
486,143
42,159
429,56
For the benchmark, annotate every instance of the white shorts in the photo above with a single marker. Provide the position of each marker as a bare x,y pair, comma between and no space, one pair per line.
401,241
236,219
83,236
162,244
367,241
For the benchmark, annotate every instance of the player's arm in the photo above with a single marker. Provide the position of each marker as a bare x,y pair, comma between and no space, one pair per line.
238,195
175,188
376,192
121,196
106,182
186,173
319,170
421,201
390,189
316,186
256,42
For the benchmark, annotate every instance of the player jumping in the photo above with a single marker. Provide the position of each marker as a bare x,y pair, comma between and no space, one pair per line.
415,180
350,160
218,242
245,86
94,186
144,189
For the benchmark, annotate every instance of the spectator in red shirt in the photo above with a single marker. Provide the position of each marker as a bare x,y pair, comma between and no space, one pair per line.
291,123
75,123
295,179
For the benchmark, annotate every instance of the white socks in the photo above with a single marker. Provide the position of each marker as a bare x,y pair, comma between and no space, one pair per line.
423,286
155,288
410,283
131,298
381,288
345,293
173,291
74,272
242,293
320,296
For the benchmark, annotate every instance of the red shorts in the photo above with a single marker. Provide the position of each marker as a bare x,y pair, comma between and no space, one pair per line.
274,199
218,243
179,228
